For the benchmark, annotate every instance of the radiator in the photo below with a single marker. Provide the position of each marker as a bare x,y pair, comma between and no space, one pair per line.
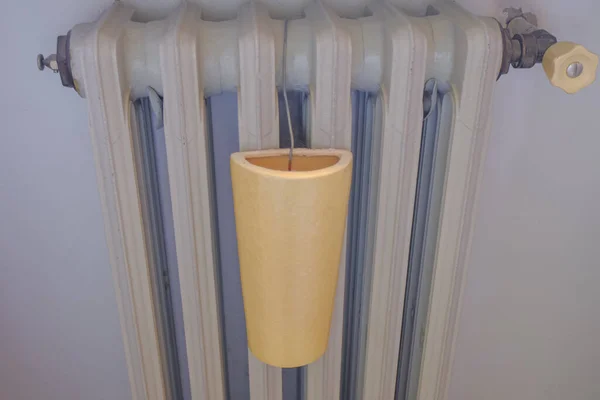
184,59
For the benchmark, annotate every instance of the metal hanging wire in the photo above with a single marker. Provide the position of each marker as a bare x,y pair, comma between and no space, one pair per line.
285,98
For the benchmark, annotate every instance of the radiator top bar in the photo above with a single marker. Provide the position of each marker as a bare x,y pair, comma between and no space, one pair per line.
219,42
524,45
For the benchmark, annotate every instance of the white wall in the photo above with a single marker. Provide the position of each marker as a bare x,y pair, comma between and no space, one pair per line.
531,320
60,337
530,316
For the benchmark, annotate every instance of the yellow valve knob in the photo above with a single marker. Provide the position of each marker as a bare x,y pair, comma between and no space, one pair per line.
570,66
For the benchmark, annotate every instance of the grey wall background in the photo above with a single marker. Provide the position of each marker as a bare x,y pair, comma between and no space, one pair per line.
530,324
60,336
530,320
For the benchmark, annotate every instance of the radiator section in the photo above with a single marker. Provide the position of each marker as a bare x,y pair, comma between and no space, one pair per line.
189,157
153,186
385,57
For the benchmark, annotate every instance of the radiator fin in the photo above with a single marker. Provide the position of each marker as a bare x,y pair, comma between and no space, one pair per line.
189,157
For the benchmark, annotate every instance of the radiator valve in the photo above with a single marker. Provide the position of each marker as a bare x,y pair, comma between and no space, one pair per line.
568,65
60,62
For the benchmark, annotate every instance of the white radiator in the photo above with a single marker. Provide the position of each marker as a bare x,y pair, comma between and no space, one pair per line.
185,59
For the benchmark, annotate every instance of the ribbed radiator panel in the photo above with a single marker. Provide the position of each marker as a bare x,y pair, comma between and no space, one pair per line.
387,55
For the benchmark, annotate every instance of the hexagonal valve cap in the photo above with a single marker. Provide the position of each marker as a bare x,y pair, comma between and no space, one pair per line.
570,66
